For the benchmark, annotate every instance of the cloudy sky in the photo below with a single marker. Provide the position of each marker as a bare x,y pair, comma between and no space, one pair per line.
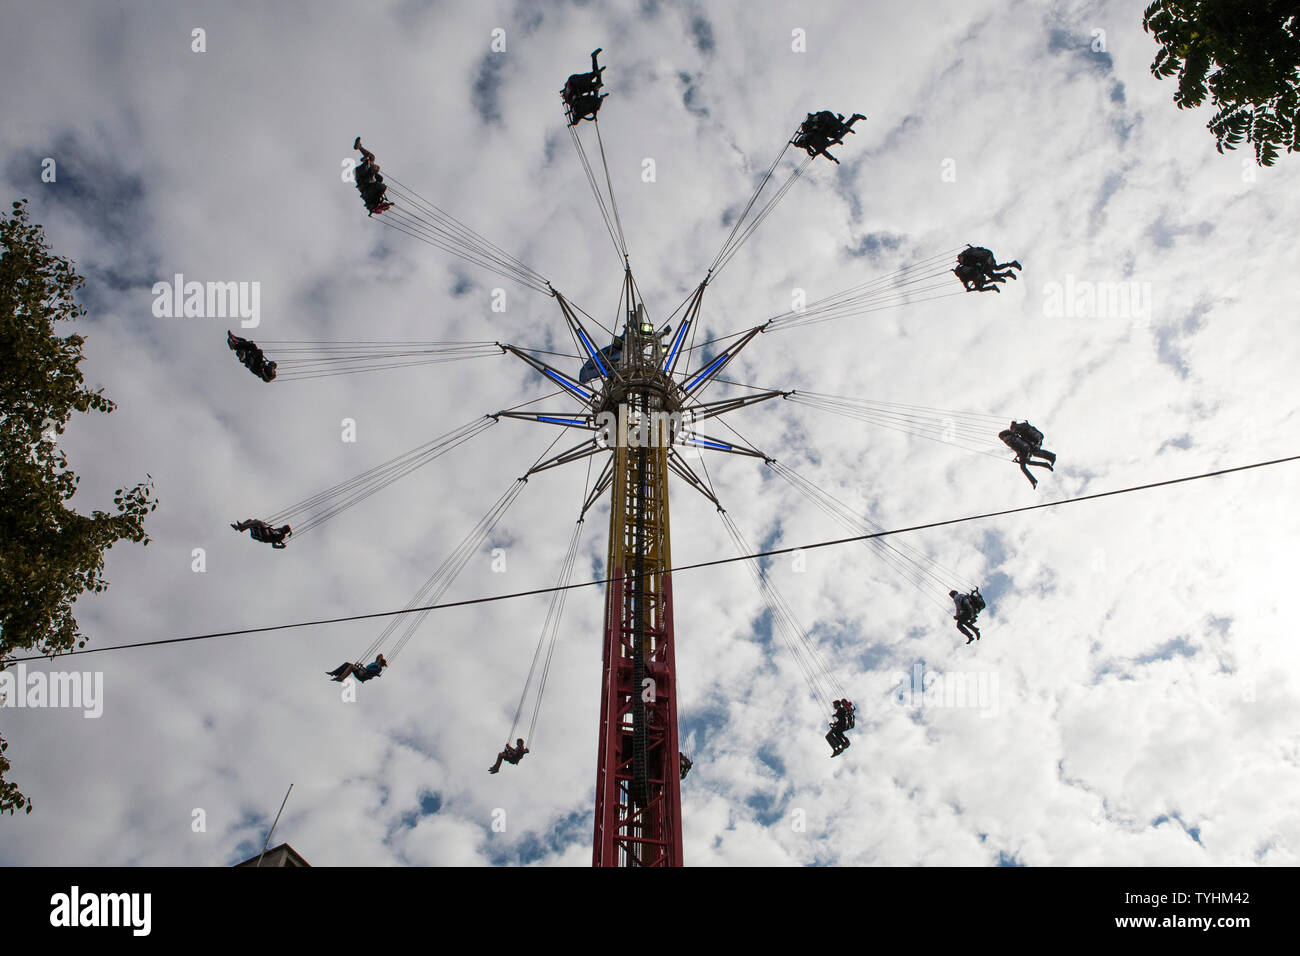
1141,702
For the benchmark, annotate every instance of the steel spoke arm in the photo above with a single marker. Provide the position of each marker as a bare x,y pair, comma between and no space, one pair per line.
577,453
692,315
717,444
582,338
602,485
566,419
684,471
704,410
700,380
568,383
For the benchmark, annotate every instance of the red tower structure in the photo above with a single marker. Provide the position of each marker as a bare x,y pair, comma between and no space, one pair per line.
638,799
638,796
639,411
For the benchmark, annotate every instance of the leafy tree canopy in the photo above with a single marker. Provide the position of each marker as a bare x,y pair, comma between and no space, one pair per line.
49,554
1245,56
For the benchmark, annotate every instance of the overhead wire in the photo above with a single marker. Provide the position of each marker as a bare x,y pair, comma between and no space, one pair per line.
835,542
910,563
446,573
441,579
551,626
821,682
545,649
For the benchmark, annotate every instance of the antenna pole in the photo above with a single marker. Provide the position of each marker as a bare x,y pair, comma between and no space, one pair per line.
272,830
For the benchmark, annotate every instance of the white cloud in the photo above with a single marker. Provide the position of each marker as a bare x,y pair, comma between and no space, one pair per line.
238,151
